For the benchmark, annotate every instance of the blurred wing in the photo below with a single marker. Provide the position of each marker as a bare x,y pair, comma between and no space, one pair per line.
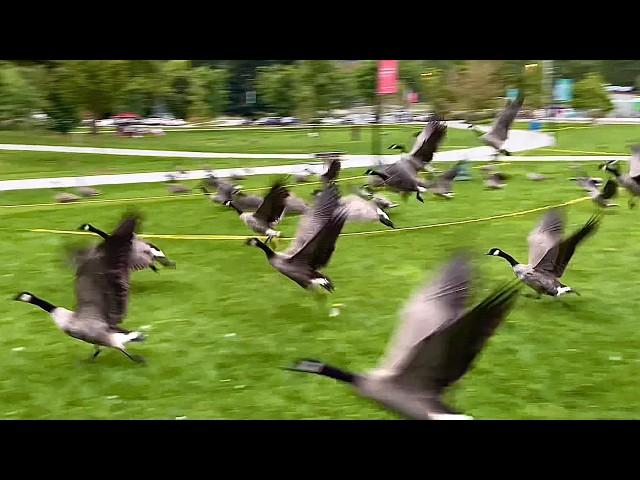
444,357
610,189
332,172
502,124
92,298
437,303
318,250
567,247
273,204
428,141
117,253
634,163
326,203
545,238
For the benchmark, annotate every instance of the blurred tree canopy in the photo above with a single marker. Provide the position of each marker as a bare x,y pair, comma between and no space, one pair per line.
92,89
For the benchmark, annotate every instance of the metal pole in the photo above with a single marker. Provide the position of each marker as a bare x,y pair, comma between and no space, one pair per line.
375,132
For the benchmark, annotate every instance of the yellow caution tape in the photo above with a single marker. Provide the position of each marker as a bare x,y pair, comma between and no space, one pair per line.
372,232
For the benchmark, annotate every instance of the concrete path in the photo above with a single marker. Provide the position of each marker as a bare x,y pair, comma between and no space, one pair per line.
519,140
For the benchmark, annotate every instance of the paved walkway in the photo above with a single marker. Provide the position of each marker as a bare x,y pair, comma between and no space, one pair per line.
519,140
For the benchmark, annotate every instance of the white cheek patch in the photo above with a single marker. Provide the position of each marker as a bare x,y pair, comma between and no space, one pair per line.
25,297
382,214
497,252
422,189
157,253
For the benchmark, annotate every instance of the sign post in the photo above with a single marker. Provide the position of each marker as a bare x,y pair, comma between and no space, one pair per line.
387,84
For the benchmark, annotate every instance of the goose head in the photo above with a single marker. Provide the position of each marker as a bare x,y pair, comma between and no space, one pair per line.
610,166
24,297
494,251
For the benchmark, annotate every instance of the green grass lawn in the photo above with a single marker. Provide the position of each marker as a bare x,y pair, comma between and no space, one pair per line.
224,321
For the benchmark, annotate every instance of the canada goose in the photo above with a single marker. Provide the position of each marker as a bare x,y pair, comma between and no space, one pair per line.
380,200
303,176
535,177
630,181
332,171
400,176
426,144
295,205
102,292
218,197
600,198
495,180
268,214
497,136
435,344
143,254
313,246
549,255
66,197
360,210
247,203
84,191
442,186
174,187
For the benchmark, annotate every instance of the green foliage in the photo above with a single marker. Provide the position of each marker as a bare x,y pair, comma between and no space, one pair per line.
276,86
19,96
208,92
365,78
589,93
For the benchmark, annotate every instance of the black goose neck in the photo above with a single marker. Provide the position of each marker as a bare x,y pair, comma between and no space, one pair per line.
93,229
512,261
337,374
265,248
235,207
43,304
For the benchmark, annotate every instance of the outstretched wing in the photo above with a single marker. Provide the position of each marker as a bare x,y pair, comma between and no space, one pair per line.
273,204
500,128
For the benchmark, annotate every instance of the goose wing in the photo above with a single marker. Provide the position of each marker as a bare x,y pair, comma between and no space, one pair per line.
273,204
567,247
634,163
609,190
331,175
437,343
102,277
545,238
319,248
325,205
500,128
359,208
428,140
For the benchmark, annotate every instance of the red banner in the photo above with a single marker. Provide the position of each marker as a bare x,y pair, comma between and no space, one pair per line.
387,76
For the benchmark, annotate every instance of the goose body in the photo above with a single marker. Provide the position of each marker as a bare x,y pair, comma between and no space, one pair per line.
435,344
87,191
177,188
141,255
600,198
102,292
268,213
629,181
442,186
535,177
360,210
497,135
495,181
313,245
295,205
66,197
400,177
549,254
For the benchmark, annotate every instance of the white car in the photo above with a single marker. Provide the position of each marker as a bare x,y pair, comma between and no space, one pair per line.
331,121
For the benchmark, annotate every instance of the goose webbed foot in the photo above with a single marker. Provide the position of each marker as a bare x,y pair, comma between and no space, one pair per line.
134,358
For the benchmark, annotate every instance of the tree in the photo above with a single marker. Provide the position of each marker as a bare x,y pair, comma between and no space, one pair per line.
208,94
477,85
365,80
18,96
589,93
276,86
177,81
61,106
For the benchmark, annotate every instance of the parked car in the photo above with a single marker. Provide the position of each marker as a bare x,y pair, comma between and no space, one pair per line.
332,121
267,121
289,121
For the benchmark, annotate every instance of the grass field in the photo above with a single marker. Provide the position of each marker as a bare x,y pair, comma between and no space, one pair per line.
224,321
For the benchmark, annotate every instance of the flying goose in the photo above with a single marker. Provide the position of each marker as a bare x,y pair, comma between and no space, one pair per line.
303,176
435,344
497,136
442,186
143,254
332,171
66,197
218,197
426,144
400,176
549,255
174,187
630,181
362,210
85,191
102,292
268,214
380,200
313,246
495,180
600,198
295,205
